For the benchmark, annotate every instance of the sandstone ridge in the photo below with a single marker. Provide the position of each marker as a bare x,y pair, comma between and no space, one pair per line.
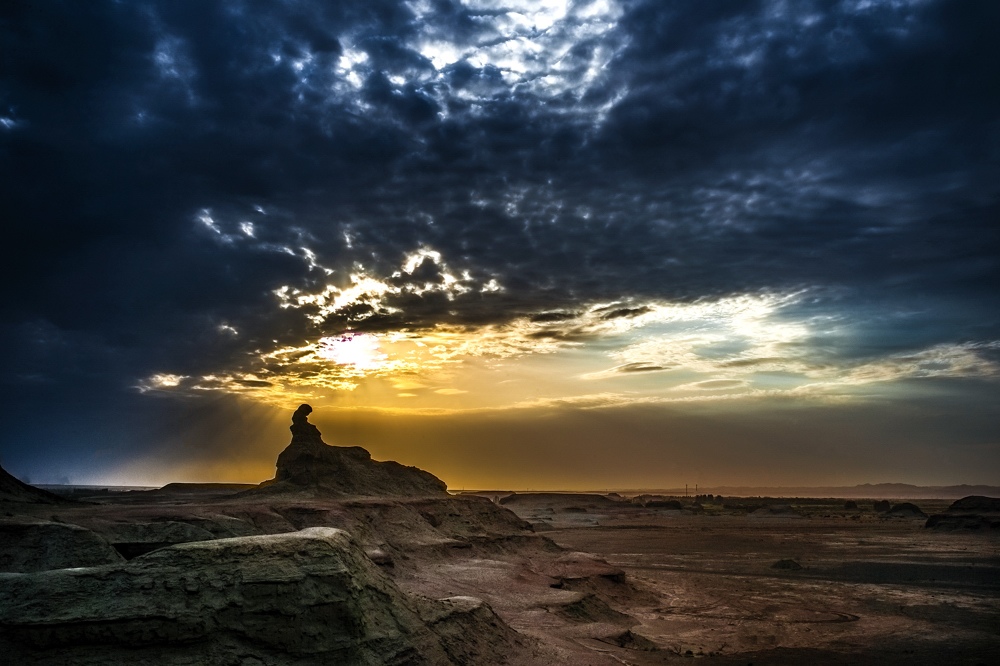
308,465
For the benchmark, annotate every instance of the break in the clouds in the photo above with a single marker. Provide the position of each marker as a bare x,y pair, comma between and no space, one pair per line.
435,207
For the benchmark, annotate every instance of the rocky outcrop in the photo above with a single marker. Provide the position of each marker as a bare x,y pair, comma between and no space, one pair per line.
38,545
14,490
310,466
975,504
969,513
906,510
308,597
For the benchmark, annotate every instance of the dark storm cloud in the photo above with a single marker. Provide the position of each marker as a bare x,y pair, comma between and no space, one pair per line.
718,148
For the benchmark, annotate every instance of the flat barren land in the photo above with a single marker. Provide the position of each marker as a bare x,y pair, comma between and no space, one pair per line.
809,583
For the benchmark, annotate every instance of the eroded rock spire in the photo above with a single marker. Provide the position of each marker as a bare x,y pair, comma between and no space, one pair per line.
302,430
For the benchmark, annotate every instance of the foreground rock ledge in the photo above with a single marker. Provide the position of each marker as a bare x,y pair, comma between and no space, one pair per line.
308,597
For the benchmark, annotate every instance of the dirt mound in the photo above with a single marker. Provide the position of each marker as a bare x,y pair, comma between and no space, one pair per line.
788,565
307,597
309,466
14,490
976,504
906,510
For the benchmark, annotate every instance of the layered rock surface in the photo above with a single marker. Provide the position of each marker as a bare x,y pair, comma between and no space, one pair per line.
310,466
309,597
38,545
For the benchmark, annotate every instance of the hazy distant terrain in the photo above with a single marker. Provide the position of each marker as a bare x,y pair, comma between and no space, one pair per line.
863,491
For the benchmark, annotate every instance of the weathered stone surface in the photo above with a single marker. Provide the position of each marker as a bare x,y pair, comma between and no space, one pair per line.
308,597
308,465
38,545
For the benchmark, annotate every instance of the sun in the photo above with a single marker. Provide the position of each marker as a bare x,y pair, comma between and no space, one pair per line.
360,350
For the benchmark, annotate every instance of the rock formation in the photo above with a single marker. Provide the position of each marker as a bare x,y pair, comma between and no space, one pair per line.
906,510
975,504
309,597
310,465
28,545
969,513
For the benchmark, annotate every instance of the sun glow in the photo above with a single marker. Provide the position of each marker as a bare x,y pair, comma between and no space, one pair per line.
359,350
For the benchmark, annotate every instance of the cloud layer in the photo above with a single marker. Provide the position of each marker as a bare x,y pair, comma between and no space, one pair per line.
238,197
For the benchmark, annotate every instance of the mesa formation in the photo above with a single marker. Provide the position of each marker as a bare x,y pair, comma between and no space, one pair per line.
341,559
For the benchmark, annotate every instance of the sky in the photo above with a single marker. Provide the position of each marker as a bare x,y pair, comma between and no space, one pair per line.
522,244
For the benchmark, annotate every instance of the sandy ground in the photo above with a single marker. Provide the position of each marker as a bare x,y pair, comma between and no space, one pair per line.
870,590
643,585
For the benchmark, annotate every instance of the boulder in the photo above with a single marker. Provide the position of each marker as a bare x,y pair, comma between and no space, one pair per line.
310,466
787,565
308,597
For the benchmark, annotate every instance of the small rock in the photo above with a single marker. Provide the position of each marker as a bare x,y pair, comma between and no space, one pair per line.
787,564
